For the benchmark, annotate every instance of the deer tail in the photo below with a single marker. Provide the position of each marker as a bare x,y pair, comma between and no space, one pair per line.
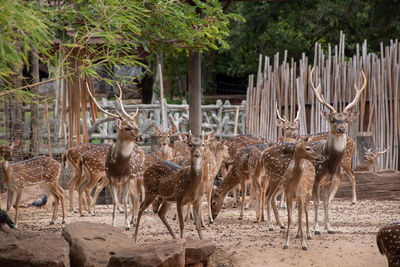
379,242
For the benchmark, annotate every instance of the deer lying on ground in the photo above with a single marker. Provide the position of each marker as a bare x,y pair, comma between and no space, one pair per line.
173,183
388,240
125,160
328,171
245,167
298,187
38,170
369,160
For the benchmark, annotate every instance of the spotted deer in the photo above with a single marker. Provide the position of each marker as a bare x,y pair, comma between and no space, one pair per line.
181,149
290,132
345,164
235,145
92,166
72,156
118,168
214,161
298,186
370,158
274,162
245,167
174,183
388,241
167,152
38,170
327,171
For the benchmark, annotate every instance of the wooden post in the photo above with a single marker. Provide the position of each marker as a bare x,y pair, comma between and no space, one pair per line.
195,93
48,129
163,111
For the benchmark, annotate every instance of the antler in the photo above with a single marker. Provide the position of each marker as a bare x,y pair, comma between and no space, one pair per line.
279,115
298,114
318,94
119,98
358,94
382,152
101,109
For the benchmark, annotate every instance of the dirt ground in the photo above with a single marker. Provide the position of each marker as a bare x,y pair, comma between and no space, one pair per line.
245,242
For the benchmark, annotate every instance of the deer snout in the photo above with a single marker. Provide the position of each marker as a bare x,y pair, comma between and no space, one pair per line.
164,143
322,158
197,154
341,130
139,139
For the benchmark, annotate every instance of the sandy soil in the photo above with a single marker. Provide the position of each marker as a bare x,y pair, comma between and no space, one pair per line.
245,242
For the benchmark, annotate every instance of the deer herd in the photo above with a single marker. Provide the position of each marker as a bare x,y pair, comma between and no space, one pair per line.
300,168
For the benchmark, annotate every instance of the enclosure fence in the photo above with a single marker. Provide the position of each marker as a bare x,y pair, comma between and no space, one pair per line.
288,85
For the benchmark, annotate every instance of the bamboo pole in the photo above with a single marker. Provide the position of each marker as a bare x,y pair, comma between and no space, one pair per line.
48,129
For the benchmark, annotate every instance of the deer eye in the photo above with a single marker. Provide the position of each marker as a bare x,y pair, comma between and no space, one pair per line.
127,128
308,148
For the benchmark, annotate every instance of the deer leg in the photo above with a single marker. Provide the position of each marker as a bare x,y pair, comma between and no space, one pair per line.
315,198
282,202
60,195
125,195
335,186
196,210
306,211
146,202
352,178
209,193
179,207
300,207
269,224
10,197
114,192
265,183
103,183
243,187
326,195
19,194
134,200
276,213
99,187
162,213
71,187
289,212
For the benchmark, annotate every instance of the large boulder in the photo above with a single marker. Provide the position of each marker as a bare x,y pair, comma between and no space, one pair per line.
170,253
199,251
19,248
92,244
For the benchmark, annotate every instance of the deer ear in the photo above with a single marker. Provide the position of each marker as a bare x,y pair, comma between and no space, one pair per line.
15,143
222,141
212,135
279,123
119,123
156,130
172,130
352,116
325,114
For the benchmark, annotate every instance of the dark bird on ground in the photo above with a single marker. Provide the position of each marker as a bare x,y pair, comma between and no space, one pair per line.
5,219
39,202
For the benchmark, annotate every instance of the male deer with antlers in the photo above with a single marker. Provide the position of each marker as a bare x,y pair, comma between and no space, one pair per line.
327,172
370,158
173,183
118,168
38,170
298,186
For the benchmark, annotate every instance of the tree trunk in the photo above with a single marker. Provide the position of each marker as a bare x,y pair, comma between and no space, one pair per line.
147,88
35,114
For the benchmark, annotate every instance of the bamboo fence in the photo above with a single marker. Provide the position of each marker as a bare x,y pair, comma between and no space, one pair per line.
287,84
